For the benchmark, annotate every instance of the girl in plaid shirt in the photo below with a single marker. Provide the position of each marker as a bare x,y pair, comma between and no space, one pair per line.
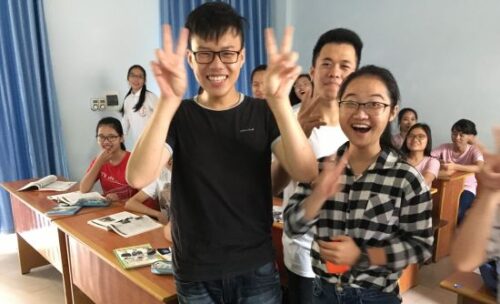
371,210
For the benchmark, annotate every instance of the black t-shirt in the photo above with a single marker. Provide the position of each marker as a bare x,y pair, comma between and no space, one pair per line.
221,189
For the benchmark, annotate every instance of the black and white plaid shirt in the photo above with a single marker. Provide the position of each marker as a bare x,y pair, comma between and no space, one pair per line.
389,206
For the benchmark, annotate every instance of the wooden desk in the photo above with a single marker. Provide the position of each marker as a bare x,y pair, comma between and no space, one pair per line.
95,271
445,207
39,241
470,288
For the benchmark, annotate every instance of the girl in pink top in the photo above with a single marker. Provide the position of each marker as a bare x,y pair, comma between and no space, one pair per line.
461,156
417,149
407,117
110,165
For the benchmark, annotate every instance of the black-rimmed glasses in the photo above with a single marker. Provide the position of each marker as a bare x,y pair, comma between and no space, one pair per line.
110,138
370,107
206,57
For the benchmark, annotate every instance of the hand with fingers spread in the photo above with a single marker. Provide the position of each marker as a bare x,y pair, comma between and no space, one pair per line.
169,67
341,250
282,68
489,176
328,182
309,116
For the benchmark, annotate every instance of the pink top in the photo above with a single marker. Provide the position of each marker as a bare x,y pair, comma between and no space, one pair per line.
469,157
397,140
428,164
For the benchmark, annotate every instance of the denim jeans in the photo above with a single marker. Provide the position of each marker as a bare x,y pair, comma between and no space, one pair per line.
260,286
466,199
324,292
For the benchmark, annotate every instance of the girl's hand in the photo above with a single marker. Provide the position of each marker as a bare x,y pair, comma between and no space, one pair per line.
328,182
169,69
104,157
282,69
341,250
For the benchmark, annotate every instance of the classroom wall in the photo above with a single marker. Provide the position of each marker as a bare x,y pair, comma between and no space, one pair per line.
92,45
445,54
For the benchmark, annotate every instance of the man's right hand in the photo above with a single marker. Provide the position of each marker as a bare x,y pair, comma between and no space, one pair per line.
309,116
169,67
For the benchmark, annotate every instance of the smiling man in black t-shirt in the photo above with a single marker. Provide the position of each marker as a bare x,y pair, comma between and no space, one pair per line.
221,142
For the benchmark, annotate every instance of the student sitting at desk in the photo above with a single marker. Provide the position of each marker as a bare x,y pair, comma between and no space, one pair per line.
154,199
110,165
478,238
417,149
461,156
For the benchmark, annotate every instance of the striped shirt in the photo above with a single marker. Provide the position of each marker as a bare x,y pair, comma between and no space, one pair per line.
388,206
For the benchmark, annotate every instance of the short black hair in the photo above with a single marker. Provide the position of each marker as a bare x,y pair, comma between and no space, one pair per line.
339,35
403,111
212,20
427,130
465,126
258,68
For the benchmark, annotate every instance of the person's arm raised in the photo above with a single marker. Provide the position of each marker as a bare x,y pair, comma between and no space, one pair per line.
469,249
293,150
170,73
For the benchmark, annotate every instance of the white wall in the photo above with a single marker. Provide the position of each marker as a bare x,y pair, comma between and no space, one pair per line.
445,54
92,44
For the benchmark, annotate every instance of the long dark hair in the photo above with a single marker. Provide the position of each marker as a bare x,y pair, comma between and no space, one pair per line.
403,111
294,99
113,123
391,85
142,96
428,133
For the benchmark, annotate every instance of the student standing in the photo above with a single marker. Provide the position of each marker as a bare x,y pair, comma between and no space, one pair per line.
336,55
221,145
417,150
110,165
459,155
478,238
138,105
370,209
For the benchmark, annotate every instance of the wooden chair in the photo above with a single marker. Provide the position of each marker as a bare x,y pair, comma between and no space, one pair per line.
470,288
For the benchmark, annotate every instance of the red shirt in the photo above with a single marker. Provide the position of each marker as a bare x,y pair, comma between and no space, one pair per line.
112,178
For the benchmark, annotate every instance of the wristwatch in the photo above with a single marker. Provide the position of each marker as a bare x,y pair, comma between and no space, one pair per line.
363,260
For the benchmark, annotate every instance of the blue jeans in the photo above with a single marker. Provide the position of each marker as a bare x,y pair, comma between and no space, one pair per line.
324,292
465,202
260,286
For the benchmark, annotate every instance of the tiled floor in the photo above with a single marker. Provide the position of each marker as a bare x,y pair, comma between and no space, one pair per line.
44,285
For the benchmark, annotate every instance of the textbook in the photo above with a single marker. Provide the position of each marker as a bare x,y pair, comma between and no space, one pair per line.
63,210
125,223
137,256
78,198
48,183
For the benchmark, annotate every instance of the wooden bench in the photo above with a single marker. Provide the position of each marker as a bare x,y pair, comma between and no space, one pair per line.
470,288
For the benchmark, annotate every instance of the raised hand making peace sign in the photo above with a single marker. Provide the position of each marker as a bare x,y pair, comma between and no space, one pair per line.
282,68
169,67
